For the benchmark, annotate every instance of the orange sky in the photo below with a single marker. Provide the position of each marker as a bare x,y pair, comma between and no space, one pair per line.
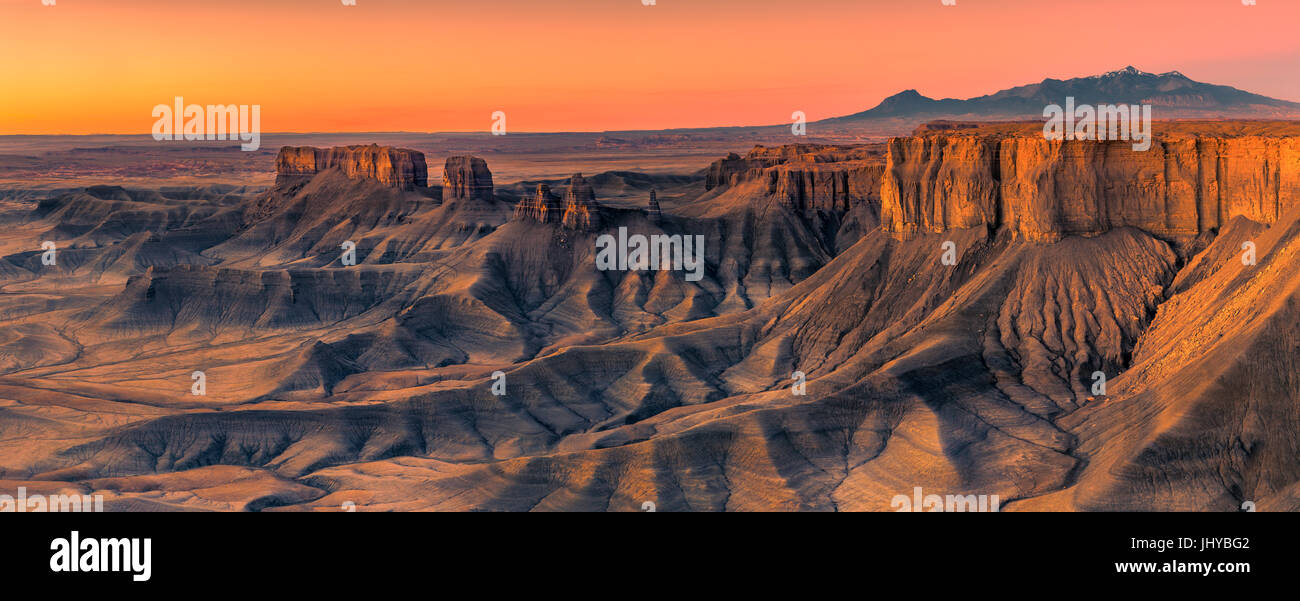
99,66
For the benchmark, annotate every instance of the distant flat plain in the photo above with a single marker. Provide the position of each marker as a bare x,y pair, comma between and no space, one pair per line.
57,162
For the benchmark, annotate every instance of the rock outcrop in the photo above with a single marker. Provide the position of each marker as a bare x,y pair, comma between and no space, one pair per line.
805,176
945,125
727,171
542,206
395,167
824,186
580,209
1043,190
466,177
734,168
652,208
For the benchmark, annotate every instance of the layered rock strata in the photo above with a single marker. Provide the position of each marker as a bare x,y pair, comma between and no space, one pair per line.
466,177
580,209
1043,190
395,167
805,176
541,206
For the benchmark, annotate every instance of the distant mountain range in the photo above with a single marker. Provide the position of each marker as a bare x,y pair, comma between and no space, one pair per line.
1174,96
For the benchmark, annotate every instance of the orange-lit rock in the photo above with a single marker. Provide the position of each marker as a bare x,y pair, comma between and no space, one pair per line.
396,167
580,208
466,177
541,206
1043,190
804,176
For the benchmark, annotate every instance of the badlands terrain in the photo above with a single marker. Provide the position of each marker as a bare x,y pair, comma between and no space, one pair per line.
925,294
328,384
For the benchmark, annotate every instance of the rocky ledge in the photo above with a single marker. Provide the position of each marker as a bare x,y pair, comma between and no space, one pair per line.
805,176
1043,190
395,167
